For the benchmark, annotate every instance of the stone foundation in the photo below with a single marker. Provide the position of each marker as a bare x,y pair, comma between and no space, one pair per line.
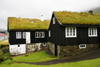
35,47
64,51
51,47
74,50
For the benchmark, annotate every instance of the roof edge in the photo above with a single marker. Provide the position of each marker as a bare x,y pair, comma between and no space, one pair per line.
57,19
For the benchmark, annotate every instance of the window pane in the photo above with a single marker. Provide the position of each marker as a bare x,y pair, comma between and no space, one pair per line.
36,34
39,34
24,35
90,31
43,34
73,31
70,31
67,31
19,34
94,31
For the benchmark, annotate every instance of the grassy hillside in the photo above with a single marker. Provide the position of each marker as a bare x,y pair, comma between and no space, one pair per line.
96,10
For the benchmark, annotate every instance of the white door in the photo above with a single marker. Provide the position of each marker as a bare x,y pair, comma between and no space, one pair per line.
27,37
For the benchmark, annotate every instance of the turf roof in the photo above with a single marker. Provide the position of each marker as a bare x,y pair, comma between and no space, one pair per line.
77,18
27,24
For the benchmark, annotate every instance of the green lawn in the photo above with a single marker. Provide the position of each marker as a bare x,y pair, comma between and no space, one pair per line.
85,63
4,42
34,57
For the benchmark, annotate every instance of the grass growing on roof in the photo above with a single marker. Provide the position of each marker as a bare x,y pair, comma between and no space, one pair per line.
34,57
85,63
77,18
26,24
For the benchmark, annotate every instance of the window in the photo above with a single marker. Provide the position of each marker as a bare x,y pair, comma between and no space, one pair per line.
53,20
81,46
92,32
42,35
18,35
70,32
39,34
49,33
44,44
24,35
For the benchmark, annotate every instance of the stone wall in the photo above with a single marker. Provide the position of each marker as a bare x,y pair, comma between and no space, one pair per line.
35,47
64,51
51,47
74,50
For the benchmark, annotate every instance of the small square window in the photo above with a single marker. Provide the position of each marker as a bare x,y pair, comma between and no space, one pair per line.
81,46
39,34
18,35
70,32
44,44
92,32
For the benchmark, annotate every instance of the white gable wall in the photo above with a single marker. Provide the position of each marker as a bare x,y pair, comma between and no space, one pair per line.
15,50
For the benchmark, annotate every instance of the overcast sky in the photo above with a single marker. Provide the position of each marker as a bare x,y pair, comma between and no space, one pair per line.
36,8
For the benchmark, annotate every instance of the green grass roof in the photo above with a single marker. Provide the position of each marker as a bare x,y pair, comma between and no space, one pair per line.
77,18
26,24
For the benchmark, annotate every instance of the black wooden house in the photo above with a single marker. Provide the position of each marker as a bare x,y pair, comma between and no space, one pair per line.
73,28
24,31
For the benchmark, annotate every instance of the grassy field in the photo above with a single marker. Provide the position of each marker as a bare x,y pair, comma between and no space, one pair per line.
4,42
85,63
35,57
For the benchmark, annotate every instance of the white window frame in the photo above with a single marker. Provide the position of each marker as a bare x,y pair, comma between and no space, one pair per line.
70,32
53,20
44,44
39,34
49,33
36,34
43,34
93,32
18,35
82,47
24,35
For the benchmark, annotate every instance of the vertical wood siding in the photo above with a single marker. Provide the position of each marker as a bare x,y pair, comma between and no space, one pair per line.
58,35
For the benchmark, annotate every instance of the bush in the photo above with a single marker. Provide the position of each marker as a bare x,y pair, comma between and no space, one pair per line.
4,54
3,46
8,61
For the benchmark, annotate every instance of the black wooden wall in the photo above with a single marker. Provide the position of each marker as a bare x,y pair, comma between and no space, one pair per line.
13,40
58,35
38,40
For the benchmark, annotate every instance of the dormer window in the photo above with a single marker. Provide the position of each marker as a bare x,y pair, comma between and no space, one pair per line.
53,20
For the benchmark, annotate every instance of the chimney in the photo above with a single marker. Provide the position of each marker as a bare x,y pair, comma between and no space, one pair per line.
91,12
42,18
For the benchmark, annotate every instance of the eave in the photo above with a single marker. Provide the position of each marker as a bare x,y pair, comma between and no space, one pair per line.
79,25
